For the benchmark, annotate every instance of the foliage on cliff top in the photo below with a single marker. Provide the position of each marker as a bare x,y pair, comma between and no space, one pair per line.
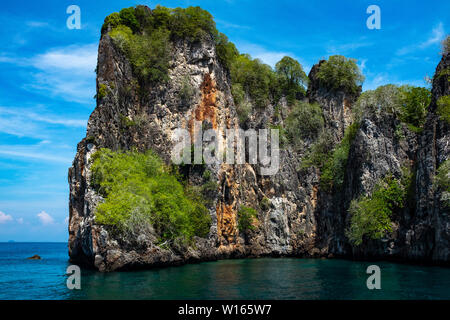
143,35
191,22
257,79
407,103
340,72
138,188
371,214
291,77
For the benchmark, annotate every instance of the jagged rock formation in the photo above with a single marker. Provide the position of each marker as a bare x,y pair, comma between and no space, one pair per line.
300,218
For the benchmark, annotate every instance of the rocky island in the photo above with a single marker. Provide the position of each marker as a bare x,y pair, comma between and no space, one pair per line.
361,174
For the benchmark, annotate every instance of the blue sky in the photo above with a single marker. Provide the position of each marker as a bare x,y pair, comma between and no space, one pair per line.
47,79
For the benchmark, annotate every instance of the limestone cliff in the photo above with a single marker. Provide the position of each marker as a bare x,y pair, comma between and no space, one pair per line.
295,216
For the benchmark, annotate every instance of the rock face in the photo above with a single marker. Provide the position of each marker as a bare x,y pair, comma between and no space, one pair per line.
35,257
297,218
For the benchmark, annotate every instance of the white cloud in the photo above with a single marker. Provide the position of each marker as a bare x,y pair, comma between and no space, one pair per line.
66,220
30,153
229,25
346,47
16,121
269,57
67,73
37,24
45,218
437,35
77,59
5,217
362,65
375,81
20,220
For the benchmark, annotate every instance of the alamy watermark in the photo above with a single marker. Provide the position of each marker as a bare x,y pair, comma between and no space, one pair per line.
74,279
74,20
211,147
374,281
374,20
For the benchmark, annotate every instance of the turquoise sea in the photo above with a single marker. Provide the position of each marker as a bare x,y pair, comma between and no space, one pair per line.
266,278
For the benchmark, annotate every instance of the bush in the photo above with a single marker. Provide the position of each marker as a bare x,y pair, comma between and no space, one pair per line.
243,106
442,181
226,51
112,20
319,153
186,92
102,91
192,22
128,18
246,216
443,108
383,100
333,171
138,187
265,204
414,102
148,54
256,79
143,35
340,73
407,103
305,121
371,215
292,78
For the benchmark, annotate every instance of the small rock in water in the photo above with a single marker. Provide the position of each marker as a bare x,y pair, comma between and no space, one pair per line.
35,257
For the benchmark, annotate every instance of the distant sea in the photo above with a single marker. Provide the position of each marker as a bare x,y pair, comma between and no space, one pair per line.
265,278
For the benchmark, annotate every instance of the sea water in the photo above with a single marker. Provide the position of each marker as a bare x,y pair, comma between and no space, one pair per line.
265,278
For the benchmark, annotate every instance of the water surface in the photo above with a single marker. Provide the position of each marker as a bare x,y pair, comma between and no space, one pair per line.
265,278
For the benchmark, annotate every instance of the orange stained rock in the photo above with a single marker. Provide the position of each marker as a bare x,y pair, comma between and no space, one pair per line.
206,110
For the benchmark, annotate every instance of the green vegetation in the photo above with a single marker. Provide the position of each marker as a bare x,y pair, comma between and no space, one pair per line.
102,91
371,215
333,171
243,106
445,46
257,79
246,216
407,103
226,51
332,162
319,153
265,204
414,102
383,100
291,77
144,35
444,73
282,134
137,121
339,73
187,91
442,181
148,54
209,187
140,192
305,121
443,108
